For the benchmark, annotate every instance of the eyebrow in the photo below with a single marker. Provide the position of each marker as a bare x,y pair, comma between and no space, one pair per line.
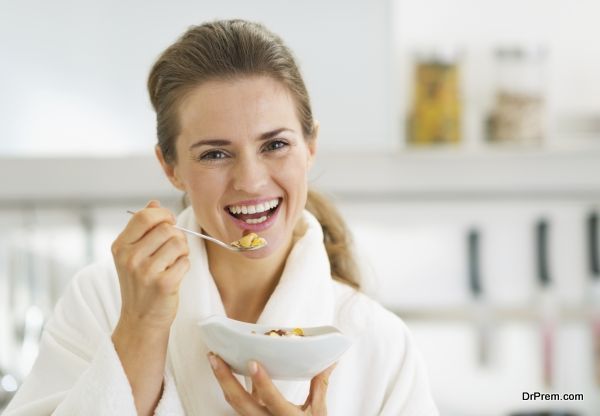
224,142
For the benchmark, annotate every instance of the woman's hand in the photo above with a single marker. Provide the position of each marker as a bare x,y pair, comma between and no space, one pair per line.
151,260
151,257
265,399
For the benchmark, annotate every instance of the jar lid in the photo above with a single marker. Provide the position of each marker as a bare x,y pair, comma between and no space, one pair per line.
439,54
523,51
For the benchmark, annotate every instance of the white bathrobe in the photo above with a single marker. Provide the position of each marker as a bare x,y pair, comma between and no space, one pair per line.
79,373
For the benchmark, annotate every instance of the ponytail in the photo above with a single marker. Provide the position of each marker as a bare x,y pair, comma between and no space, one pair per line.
337,239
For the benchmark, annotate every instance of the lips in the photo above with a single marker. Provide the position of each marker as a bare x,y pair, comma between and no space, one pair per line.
241,219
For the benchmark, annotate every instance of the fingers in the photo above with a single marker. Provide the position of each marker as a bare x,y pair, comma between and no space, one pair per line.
171,249
144,220
317,398
268,394
170,279
149,242
265,393
154,239
237,397
151,258
255,395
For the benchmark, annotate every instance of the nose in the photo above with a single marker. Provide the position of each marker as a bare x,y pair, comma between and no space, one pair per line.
250,175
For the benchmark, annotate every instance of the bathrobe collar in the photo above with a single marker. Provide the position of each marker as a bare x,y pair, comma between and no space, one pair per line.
303,297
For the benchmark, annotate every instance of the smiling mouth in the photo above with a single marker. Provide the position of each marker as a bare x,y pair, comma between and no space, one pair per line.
254,214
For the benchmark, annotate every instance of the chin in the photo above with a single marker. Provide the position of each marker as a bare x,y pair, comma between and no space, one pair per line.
273,245
258,254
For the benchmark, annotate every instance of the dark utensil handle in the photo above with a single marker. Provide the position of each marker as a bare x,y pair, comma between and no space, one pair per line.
541,242
593,249
473,243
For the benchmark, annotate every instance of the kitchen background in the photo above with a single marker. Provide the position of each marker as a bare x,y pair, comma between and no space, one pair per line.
460,139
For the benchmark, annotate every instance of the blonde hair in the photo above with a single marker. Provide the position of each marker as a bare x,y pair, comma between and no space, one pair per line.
229,49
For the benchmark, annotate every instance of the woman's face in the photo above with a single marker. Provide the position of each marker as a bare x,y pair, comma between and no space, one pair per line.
243,160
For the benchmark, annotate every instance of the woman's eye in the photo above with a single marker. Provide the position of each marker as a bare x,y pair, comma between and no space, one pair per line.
275,145
213,155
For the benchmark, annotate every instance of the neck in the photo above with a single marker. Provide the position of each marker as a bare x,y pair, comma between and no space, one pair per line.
245,284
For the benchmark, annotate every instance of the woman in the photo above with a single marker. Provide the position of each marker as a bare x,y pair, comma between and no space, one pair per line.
237,135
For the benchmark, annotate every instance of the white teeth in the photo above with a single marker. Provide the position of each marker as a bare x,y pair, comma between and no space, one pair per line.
253,209
257,220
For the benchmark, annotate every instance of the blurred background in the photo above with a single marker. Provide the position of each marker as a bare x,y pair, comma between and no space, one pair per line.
461,140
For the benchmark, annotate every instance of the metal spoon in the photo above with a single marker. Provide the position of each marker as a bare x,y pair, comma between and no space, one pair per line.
228,246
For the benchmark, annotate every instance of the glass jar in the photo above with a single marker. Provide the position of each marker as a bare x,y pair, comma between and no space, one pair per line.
518,113
435,115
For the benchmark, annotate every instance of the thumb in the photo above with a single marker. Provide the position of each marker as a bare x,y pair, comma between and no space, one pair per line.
153,203
317,399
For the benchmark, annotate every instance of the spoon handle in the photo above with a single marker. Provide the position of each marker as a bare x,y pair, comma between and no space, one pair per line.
194,233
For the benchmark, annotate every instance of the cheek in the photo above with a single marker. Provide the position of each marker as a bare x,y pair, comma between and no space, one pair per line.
293,178
204,187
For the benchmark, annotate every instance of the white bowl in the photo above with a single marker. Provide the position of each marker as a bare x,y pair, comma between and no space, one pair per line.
284,358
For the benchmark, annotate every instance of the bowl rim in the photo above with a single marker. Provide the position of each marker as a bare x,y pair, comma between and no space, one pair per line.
233,326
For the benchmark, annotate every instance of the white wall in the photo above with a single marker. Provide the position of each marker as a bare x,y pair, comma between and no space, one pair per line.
73,74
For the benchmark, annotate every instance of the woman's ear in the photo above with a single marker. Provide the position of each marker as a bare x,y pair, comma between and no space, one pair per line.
312,144
169,169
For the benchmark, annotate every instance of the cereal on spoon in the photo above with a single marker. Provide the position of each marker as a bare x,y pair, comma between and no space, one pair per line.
250,240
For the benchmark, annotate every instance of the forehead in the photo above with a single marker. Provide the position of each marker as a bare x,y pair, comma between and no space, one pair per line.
230,109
